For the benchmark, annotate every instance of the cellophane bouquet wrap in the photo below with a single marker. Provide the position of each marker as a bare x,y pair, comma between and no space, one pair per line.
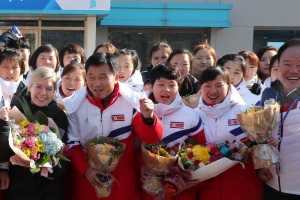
104,154
209,160
262,124
158,159
34,142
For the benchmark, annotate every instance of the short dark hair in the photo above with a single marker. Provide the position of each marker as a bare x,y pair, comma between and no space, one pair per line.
210,73
74,66
263,49
98,59
183,51
44,48
134,57
158,46
291,43
13,55
20,43
235,58
164,71
72,48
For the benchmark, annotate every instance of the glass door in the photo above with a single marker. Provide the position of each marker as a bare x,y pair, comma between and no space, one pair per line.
32,36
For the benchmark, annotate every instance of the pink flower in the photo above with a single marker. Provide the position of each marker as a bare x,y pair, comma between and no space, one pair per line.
46,128
28,143
30,128
218,155
210,145
35,157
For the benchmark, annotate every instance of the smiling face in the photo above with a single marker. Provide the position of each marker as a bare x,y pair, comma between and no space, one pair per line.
10,70
214,92
68,57
42,92
182,63
235,72
264,63
101,81
46,59
165,90
289,68
71,82
159,56
125,67
202,60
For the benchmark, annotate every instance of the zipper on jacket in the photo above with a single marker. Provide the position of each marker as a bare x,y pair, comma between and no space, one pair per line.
281,135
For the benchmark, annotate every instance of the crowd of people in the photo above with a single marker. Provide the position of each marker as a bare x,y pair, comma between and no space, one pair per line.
82,94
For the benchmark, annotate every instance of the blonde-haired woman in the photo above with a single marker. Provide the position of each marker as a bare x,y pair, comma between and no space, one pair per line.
39,95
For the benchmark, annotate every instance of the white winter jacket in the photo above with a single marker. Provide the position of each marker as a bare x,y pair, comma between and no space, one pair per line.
135,81
179,121
246,95
115,121
220,121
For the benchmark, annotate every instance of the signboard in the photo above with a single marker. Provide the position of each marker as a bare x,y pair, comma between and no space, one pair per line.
55,4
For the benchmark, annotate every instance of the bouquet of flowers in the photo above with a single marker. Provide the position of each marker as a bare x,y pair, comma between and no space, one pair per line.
34,143
207,161
158,158
261,124
104,154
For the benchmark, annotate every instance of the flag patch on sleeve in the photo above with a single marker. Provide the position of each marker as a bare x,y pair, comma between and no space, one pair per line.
232,122
118,117
176,124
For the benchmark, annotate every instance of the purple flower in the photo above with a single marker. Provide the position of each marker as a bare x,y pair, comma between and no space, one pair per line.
218,155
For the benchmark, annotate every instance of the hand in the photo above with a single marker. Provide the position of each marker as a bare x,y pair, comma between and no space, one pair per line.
4,113
146,87
91,175
146,107
4,180
272,142
264,174
146,173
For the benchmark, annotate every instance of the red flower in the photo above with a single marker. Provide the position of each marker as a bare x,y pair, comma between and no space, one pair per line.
213,150
196,162
190,155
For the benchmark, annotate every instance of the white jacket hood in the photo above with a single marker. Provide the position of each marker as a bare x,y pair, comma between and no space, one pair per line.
218,110
162,109
135,80
246,94
73,102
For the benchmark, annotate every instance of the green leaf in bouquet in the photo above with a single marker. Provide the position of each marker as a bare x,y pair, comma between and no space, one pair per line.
53,130
42,118
56,161
63,157
45,159
26,108
34,170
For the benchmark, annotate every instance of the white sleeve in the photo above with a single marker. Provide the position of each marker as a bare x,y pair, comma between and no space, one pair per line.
73,131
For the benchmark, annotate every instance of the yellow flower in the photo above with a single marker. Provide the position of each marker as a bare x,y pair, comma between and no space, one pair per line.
40,145
201,153
23,130
38,127
24,123
27,152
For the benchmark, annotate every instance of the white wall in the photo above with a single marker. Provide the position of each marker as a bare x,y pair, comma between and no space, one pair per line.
90,36
102,35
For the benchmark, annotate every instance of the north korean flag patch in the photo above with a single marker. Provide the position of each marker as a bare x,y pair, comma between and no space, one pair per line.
232,122
118,117
177,125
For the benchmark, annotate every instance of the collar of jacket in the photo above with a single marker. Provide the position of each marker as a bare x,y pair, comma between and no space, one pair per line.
162,110
233,98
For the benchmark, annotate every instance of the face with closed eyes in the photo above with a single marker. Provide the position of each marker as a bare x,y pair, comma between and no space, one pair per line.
215,91
46,59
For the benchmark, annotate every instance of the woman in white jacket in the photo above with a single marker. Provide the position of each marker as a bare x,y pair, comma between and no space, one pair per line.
129,69
218,106
235,65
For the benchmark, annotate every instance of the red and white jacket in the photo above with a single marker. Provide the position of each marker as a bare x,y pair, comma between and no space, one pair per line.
119,119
